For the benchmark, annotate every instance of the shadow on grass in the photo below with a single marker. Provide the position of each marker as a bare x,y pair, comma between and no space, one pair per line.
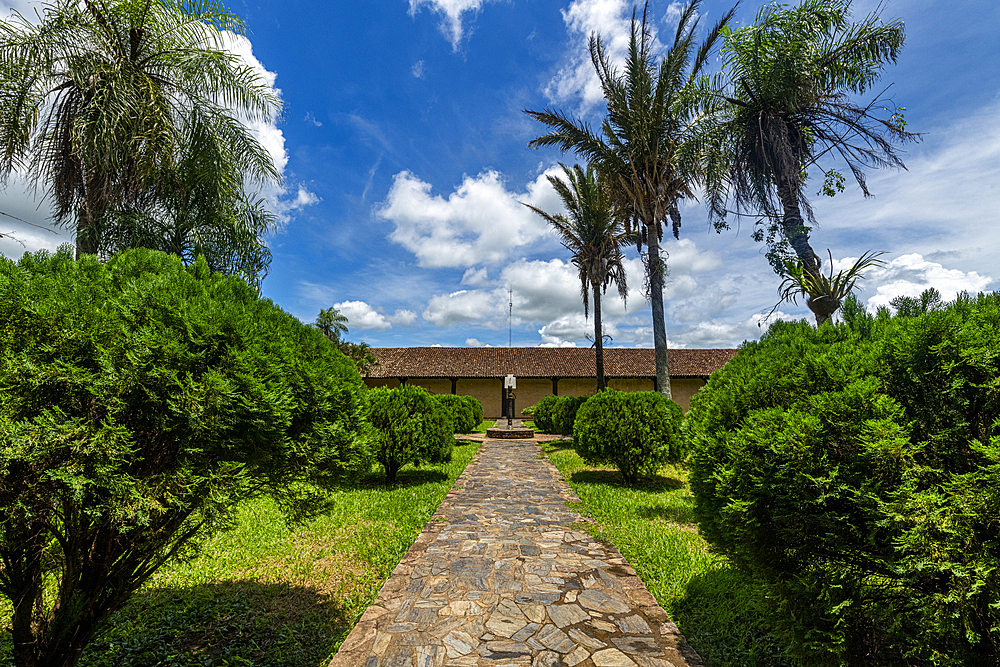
725,619
656,484
406,477
225,623
558,445
682,515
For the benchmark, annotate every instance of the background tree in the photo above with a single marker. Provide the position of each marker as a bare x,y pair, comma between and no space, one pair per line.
132,105
332,324
596,237
786,104
645,147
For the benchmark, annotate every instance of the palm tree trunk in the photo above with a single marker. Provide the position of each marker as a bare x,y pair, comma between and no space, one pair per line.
598,339
655,272
85,238
794,230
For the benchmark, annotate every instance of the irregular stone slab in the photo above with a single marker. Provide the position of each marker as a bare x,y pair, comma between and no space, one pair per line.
460,643
564,615
633,625
503,576
601,601
612,657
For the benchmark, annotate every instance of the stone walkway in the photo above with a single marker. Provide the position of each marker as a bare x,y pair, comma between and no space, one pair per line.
501,576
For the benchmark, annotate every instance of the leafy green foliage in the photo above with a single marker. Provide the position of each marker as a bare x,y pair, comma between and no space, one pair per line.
564,413
128,113
637,432
269,594
409,428
465,416
649,147
787,103
332,323
475,409
858,478
543,414
142,401
824,293
595,233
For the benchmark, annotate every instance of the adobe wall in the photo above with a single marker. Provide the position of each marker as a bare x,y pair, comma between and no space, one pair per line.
576,386
432,385
682,389
486,390
633,384
529,391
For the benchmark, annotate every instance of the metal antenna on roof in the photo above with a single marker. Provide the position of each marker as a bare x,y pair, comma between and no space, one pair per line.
510,317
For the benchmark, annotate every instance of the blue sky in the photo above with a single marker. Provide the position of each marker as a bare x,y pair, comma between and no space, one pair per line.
404,154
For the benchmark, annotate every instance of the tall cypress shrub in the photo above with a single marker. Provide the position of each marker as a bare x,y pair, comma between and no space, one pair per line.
140,403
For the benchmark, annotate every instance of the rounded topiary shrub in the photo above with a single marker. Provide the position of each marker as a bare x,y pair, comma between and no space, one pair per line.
409,427
857,477
475,410
637,432
543,414
462,415
564,414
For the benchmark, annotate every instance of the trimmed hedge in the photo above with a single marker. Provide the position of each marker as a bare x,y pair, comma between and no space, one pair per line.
475,410
409,426
462,416
637,432
543,414
564,414
857,476
556,414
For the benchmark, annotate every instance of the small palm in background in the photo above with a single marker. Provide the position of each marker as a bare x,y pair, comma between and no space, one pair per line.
595,237
332,324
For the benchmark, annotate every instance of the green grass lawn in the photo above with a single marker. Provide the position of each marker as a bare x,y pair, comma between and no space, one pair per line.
652,524
264,594
485,424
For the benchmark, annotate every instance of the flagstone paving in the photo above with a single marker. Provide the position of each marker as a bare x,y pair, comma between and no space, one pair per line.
503,576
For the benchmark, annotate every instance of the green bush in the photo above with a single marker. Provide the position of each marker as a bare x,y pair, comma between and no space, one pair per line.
564,414
475,410
543,414
859,480
409,428
460,411
637,432
140,402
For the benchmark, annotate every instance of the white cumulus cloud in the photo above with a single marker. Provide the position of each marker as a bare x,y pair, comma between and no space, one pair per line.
911,274
453,13
360,315
577,80
481,222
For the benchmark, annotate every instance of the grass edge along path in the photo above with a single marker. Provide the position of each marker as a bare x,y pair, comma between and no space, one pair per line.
266,594
715,606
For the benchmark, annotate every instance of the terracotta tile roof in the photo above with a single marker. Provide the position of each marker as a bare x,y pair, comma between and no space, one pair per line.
496,362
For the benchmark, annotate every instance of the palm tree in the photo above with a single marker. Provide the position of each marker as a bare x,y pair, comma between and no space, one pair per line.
595,237
199,214
645,144
824,294
786,105
332,324
101,101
